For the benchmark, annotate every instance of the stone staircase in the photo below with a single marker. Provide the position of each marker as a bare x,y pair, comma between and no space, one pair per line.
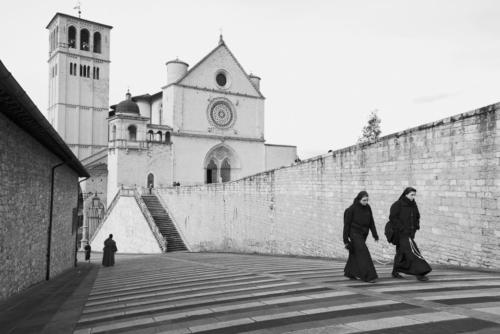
164,223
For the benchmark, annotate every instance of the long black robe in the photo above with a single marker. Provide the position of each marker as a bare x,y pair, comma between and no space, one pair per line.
358,220
108,256
88,249
406,219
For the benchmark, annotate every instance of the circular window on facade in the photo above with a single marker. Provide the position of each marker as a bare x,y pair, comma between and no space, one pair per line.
222,79
221,115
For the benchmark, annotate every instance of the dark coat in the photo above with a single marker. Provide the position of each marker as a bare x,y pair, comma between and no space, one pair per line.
108,256
87,249
405,217
359,219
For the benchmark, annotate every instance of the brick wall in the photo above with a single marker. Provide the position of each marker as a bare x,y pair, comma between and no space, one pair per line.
25,172
298,210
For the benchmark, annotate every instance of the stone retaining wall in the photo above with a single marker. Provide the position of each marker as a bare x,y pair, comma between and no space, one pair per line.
298,210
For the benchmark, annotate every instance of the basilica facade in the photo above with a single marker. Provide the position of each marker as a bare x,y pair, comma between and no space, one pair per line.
204,125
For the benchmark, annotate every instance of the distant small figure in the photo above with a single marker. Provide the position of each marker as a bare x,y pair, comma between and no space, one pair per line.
87,249
405,218
108,257
330,151
297,160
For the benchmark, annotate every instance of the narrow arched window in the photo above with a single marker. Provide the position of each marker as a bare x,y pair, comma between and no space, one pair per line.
225,171
72,37
97,74
81,70
97,42
84,40
211,172
88,71
74,69
132,133
151,135
167,137
70,68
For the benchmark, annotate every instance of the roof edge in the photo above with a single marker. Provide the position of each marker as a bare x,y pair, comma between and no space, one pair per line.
60,149
77,18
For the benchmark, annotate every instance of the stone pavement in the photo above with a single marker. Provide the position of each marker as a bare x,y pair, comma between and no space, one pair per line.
231,293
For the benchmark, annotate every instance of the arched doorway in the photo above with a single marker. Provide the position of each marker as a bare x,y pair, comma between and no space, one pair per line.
225,171
212,172
221,164
151,180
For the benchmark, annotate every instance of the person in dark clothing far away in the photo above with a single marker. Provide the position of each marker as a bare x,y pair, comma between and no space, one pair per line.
358,220
405,218
108,256
87,249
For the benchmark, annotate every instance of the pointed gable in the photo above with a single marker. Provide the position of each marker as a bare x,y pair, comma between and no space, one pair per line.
220,59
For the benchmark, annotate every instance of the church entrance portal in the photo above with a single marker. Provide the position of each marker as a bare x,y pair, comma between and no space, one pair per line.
220,164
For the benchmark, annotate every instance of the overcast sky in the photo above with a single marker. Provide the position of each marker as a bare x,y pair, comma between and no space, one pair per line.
324,64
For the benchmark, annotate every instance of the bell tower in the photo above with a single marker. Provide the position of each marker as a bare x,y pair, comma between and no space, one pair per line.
79,59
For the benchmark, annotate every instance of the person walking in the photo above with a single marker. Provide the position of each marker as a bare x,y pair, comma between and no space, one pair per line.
405,219
358,220
87,249
108,256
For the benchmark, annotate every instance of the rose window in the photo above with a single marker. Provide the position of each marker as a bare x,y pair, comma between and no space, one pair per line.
221,115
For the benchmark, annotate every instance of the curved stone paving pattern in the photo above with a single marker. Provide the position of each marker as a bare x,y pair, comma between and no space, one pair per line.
232,293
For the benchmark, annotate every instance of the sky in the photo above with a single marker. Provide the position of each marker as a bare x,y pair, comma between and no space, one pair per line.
325,65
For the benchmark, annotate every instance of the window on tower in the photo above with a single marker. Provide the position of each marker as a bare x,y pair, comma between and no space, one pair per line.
88,71
70,68
84,40
97,42
132,133
97,76
72,37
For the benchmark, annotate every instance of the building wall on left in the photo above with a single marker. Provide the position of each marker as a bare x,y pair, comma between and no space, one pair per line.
25,178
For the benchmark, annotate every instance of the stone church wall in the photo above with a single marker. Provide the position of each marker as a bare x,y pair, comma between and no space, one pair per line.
25,173
453,163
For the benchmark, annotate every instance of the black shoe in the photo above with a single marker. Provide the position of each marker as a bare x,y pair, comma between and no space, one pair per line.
422,278
395,274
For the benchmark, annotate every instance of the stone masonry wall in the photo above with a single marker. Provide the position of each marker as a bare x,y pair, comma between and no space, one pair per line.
25,172
298,210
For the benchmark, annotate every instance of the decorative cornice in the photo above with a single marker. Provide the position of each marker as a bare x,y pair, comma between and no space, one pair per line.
73,55
212,90
85,145
220,137
78,106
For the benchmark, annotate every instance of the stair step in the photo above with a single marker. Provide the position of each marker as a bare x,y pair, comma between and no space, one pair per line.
164,223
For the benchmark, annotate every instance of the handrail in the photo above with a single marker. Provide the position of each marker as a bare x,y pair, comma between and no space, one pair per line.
162,202
108,211
162,242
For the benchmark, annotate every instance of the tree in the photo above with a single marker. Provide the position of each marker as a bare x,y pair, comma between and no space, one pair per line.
371,131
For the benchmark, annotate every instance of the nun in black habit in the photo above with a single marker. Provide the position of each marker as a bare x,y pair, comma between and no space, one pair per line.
405,220
358,220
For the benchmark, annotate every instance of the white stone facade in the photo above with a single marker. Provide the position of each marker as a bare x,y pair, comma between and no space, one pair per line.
200,128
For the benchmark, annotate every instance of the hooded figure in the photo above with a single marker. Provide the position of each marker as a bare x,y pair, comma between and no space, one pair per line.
358,220
108,256
405,219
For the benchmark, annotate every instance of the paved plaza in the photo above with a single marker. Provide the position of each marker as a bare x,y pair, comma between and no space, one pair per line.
232,293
